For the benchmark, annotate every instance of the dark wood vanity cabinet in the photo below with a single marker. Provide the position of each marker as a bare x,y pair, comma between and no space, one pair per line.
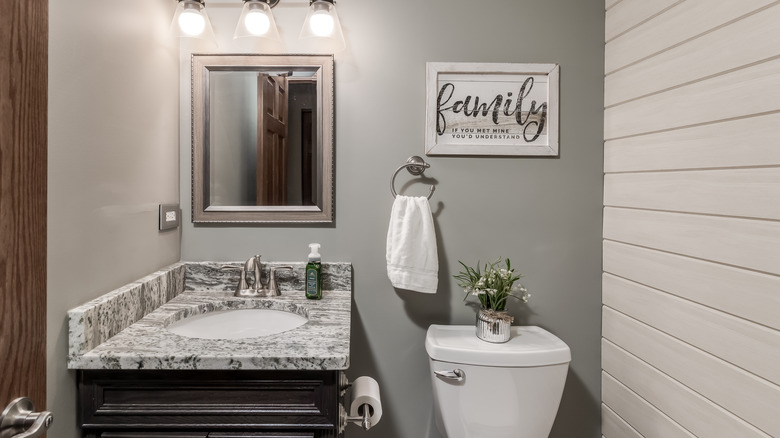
204,435
208,404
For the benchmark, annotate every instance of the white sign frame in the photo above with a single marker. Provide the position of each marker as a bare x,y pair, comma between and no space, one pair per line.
495,125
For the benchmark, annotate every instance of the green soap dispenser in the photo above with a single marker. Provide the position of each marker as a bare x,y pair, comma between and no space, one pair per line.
314,273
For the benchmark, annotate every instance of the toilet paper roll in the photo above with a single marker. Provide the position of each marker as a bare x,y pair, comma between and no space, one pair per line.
365,390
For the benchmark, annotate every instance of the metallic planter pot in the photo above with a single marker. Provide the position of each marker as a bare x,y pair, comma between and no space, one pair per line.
493,326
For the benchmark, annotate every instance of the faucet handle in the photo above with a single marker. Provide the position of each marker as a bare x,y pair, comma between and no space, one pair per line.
242,276
273,287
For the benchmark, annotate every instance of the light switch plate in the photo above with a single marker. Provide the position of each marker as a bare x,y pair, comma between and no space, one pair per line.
170,216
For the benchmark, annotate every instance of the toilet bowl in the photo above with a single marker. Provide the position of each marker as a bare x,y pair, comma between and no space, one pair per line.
485,390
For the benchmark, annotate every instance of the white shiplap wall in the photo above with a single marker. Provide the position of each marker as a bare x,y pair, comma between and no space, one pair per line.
691,286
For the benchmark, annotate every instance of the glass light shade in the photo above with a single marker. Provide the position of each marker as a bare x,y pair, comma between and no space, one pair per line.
190,21
322,22
256,21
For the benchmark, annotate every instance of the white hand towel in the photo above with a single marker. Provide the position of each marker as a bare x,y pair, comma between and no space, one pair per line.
412,258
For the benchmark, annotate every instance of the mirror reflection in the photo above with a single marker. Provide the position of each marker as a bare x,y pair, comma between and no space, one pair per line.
262,138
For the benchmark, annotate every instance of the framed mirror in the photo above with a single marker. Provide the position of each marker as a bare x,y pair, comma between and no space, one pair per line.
262,138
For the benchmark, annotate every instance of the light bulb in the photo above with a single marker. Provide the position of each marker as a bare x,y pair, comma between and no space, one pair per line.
321,23
192,22
257,23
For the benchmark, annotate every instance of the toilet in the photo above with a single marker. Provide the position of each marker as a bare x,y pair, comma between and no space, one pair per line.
485,390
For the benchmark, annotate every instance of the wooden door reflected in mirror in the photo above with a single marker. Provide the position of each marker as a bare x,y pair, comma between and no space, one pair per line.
271,139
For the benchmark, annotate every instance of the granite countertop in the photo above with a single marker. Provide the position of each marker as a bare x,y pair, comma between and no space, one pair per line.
322,343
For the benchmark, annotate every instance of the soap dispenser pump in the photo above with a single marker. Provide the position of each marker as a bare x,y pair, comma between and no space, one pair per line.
314,273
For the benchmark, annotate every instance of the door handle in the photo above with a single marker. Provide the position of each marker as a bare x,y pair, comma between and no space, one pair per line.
19,421
457,375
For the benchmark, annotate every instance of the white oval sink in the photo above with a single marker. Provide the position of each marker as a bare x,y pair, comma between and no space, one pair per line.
237,324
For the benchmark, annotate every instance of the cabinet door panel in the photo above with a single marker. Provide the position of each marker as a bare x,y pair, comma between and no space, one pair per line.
153,435
261,435
209,400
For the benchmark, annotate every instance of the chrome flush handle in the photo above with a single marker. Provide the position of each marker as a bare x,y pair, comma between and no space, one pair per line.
19,421
457,375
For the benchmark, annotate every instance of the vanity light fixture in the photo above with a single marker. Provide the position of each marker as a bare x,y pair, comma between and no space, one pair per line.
322,21
190,20
257,20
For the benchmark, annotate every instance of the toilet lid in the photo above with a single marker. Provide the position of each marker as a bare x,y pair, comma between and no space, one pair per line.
527,346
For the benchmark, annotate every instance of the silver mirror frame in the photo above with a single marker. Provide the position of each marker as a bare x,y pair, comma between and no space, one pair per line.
322,212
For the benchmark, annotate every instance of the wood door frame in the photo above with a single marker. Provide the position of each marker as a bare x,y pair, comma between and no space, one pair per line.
23,178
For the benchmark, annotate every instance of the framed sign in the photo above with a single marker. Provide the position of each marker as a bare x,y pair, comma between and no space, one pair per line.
491,109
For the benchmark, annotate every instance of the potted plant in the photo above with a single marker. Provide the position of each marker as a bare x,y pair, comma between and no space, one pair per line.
493,286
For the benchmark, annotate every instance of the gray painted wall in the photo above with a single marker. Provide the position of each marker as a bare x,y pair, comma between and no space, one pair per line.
113,157
542,213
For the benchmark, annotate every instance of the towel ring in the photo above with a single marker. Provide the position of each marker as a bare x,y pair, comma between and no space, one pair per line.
416,166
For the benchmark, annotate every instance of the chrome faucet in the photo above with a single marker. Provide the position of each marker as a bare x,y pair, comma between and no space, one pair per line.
258,288
243,289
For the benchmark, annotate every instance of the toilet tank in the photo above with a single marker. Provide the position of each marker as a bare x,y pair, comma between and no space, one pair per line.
508,390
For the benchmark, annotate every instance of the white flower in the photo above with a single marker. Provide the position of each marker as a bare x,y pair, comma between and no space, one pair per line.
524,295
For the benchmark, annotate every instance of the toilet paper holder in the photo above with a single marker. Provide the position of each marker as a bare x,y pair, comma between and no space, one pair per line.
365,423
365,411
